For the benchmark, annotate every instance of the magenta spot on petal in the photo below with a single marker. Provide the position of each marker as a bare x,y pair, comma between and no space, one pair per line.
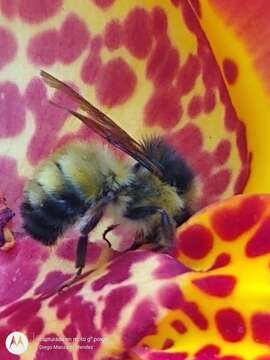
159,19
230,223
222,152
116,83
231,325
163,108
9,8
63,311
138,32
73,39
176,3
93,253
162,69
260,324
201,162
231,120
8,46
146,311
190,17
34,328
169,268
209,101
208,352
91,68
172,298
168,343
82,316
211,74
43,47
96,44
113,35
70,331
195,106
16,307
196,7
52,282
24,266
187,141
167,70
25,312
196,241
242,178
48,118
158,57
222,260
104,4
115,302
188,74
216,285
230,70
35,94
241,141
67,294
12,110
119,269
217,183
179,326
33,11
67,251
259,244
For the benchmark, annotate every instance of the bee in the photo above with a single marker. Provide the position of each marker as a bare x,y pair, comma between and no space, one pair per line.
85,179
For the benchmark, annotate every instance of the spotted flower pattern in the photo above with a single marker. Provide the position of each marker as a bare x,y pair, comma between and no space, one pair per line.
156,67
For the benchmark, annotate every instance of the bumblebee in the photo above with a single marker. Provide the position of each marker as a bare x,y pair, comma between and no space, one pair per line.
86,179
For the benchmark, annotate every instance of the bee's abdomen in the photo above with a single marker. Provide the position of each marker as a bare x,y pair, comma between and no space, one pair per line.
52,203
65,186
48,220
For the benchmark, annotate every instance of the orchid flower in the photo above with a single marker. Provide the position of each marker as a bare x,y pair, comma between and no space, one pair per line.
194,72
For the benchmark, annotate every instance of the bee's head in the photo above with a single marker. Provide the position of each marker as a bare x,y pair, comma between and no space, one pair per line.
174,168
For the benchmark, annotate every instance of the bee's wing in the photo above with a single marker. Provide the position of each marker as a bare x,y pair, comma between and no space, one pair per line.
103,125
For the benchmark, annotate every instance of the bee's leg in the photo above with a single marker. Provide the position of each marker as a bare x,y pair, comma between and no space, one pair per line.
83,240
81,253
166,225
109,229
81,250
167,228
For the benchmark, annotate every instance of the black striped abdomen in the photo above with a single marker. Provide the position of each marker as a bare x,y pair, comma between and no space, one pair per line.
65,185
48,219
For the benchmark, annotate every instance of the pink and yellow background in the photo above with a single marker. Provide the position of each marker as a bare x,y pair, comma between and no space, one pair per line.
196,72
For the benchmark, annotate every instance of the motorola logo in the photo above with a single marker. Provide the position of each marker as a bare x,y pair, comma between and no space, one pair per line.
16,343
